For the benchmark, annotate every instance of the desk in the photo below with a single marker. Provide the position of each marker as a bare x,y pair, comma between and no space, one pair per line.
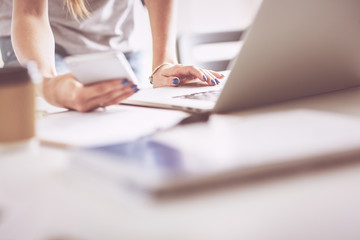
43,196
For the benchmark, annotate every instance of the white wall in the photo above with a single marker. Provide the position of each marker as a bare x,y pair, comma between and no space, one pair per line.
214,15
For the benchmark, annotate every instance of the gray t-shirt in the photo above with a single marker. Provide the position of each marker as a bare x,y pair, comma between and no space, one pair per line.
112,25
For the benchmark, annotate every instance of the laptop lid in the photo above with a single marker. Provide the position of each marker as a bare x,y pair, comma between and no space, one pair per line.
295,49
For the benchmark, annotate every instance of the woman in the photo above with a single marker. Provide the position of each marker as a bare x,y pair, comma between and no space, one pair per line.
48,30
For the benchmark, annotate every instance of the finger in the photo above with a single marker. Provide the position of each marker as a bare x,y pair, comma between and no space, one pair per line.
111,98
217,74
102,100
206,76
120,98
82,96
213,80
188,72
167,81
102,88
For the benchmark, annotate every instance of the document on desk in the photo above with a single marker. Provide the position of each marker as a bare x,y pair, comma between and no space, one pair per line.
262,143
115,124
230,147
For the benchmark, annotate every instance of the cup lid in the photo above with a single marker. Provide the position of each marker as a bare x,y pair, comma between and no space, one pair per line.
14,75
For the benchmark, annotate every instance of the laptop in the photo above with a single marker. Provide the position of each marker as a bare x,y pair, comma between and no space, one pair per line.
293,49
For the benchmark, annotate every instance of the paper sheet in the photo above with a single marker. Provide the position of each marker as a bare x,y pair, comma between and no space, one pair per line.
115,124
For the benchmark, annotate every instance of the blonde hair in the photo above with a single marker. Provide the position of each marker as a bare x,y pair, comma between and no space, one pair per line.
77,8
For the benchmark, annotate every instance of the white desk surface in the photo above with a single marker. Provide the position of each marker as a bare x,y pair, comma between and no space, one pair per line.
44,197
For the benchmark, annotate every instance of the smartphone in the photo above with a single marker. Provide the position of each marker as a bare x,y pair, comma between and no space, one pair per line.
102,66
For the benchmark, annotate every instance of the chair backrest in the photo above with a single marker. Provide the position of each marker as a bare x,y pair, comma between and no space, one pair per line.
186,44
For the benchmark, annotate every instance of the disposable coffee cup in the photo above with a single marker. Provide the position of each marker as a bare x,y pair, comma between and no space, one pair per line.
17,104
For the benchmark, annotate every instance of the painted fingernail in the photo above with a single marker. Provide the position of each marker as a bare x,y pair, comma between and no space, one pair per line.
213,82
125,82
217,80
175,81
222,74
204,77
133,86
136,90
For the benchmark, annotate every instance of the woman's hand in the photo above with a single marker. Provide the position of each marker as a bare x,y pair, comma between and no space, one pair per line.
66,91
178,75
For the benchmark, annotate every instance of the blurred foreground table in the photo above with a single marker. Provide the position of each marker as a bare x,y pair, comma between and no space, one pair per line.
44,196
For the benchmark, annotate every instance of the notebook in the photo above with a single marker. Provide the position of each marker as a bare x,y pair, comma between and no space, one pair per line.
293,49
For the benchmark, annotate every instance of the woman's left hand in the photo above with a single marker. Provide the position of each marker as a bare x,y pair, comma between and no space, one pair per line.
178,75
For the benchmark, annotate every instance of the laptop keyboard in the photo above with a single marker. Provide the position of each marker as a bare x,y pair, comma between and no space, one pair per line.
212,95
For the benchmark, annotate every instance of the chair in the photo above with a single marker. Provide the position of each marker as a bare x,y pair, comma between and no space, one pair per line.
187,43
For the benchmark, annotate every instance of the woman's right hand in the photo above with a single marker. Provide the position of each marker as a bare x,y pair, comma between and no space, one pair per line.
66,91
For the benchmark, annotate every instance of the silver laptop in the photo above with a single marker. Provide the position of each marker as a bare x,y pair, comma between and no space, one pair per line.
293,49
